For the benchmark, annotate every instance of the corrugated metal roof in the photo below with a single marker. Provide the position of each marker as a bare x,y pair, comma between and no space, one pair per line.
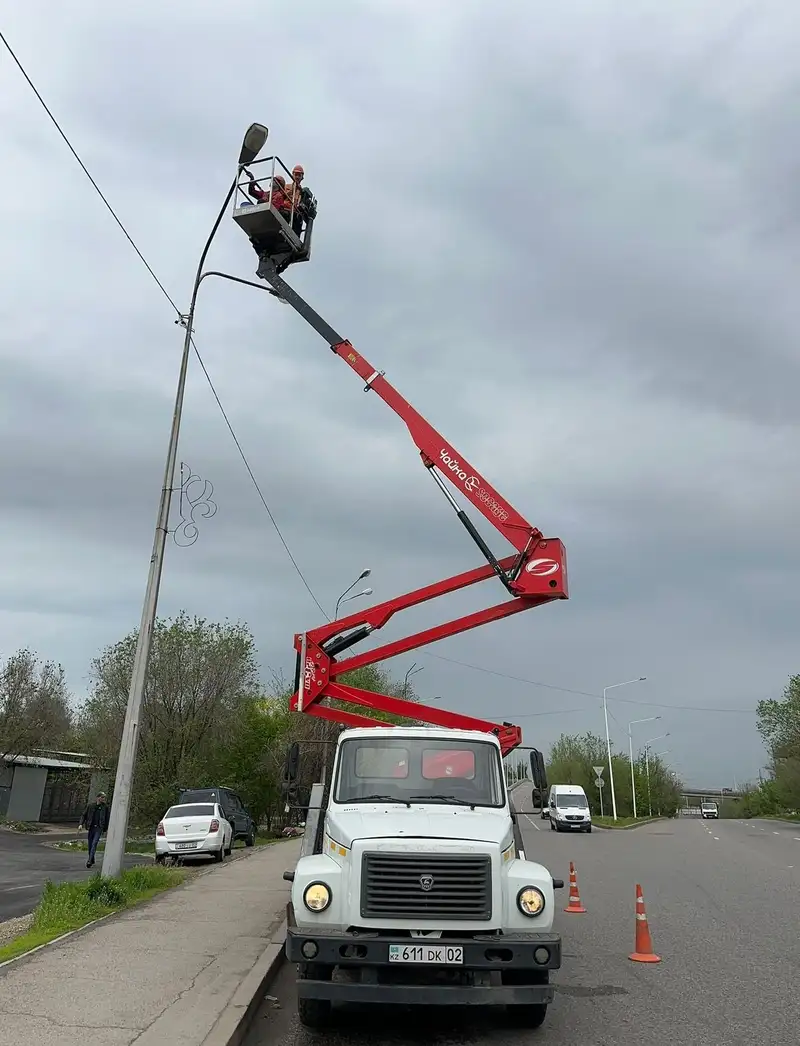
49,764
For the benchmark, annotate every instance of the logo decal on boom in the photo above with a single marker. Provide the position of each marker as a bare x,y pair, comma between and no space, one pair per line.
542,567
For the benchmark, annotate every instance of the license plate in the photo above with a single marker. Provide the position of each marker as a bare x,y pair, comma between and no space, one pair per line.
428,954
185,846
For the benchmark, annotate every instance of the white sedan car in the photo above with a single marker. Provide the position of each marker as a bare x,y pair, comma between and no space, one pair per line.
193,828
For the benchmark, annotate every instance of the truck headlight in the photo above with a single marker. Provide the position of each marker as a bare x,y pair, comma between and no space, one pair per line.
317,897
530,901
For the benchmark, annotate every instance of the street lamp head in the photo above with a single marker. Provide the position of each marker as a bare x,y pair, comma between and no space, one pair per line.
254,140
365,592
642,679
365,573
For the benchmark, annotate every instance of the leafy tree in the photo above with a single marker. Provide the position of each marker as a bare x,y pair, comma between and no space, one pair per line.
779,726
571,762
35,709
202,679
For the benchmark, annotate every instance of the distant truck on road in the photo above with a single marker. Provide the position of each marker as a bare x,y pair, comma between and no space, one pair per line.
709,810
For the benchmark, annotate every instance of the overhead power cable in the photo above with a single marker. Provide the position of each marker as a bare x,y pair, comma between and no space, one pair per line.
175,308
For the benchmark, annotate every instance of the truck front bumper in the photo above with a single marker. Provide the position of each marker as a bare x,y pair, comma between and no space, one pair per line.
497,969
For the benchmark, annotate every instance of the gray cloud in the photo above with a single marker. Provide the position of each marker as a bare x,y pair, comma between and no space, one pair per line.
571,243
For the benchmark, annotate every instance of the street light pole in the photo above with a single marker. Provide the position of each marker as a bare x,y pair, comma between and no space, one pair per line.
633,722
647,769
114,855
355,595
364,573
613,686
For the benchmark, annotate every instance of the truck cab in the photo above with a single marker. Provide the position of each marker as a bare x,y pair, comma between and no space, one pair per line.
709,810
412,884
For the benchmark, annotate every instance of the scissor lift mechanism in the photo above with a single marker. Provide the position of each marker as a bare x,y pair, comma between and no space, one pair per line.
535,574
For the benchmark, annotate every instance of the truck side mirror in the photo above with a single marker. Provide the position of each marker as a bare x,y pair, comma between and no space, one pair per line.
292,767
538,772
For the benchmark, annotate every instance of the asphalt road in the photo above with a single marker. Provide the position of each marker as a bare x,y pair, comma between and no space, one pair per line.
27,861
722,906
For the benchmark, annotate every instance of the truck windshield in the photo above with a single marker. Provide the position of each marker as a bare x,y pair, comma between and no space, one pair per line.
447,771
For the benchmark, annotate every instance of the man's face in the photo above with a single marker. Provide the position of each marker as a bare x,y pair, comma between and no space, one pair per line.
101,799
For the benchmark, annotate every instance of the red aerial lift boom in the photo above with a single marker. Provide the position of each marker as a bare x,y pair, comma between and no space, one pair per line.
535,574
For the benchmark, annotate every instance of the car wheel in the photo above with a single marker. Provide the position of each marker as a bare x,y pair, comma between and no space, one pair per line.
219,855
229,847
161,858
250,838
588,829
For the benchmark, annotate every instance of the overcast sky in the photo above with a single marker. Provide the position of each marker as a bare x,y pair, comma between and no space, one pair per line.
569,233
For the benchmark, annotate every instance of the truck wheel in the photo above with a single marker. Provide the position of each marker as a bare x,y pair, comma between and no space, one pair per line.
314,1013
529,1016
533,1015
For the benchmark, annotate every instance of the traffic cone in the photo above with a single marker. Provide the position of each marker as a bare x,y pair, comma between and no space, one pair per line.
574,905
644,943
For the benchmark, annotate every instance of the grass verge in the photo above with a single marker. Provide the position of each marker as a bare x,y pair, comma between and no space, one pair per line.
147,846
132,846
623,822
68,906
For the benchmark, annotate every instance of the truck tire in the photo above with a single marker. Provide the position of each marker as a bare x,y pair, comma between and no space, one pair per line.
314,1013
528,1016
533,1015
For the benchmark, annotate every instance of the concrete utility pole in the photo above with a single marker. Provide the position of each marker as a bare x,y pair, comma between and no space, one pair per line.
114,855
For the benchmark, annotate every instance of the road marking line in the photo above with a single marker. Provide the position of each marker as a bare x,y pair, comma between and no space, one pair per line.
776,833
32,886
532,822
797,838
717,838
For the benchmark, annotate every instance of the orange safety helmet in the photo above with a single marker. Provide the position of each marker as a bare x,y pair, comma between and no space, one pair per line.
298,169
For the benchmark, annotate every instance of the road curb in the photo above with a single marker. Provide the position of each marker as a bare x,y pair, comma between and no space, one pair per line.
234,1023
627,827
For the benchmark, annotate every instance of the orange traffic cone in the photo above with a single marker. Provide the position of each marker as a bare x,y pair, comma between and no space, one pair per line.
644,944
574,905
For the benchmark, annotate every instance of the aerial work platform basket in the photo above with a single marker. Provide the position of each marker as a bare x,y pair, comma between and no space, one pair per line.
277,224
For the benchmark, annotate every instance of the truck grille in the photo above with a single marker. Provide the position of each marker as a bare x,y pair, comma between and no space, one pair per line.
426,886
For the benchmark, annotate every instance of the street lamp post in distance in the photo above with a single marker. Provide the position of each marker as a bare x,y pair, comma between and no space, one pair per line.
114,855
633,722
647,769
613,686
364,573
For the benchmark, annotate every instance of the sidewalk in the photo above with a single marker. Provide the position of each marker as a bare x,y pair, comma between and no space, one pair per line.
162,972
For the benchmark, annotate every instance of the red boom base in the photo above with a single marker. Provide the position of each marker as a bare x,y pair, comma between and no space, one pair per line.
318,669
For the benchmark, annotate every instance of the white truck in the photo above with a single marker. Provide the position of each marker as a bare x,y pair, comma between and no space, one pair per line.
414,887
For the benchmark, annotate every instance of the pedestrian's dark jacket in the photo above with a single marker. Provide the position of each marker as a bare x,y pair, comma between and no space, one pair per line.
96,816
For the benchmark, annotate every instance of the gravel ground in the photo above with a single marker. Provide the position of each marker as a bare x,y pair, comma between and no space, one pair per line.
12,928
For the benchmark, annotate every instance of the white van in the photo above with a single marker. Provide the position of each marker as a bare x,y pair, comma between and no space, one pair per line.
569,809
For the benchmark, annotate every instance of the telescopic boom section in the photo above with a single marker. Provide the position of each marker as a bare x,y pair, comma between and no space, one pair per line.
535,574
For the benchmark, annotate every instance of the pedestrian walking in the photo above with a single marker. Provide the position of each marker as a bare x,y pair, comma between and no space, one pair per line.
95,821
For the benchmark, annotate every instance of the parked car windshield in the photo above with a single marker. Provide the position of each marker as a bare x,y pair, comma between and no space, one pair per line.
430,770
576,802
198,810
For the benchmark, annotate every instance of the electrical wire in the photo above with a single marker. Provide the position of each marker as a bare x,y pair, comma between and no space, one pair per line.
243,456
175,308
584,693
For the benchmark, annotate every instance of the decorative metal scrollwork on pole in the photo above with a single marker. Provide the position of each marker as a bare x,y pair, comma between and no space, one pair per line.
195,503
